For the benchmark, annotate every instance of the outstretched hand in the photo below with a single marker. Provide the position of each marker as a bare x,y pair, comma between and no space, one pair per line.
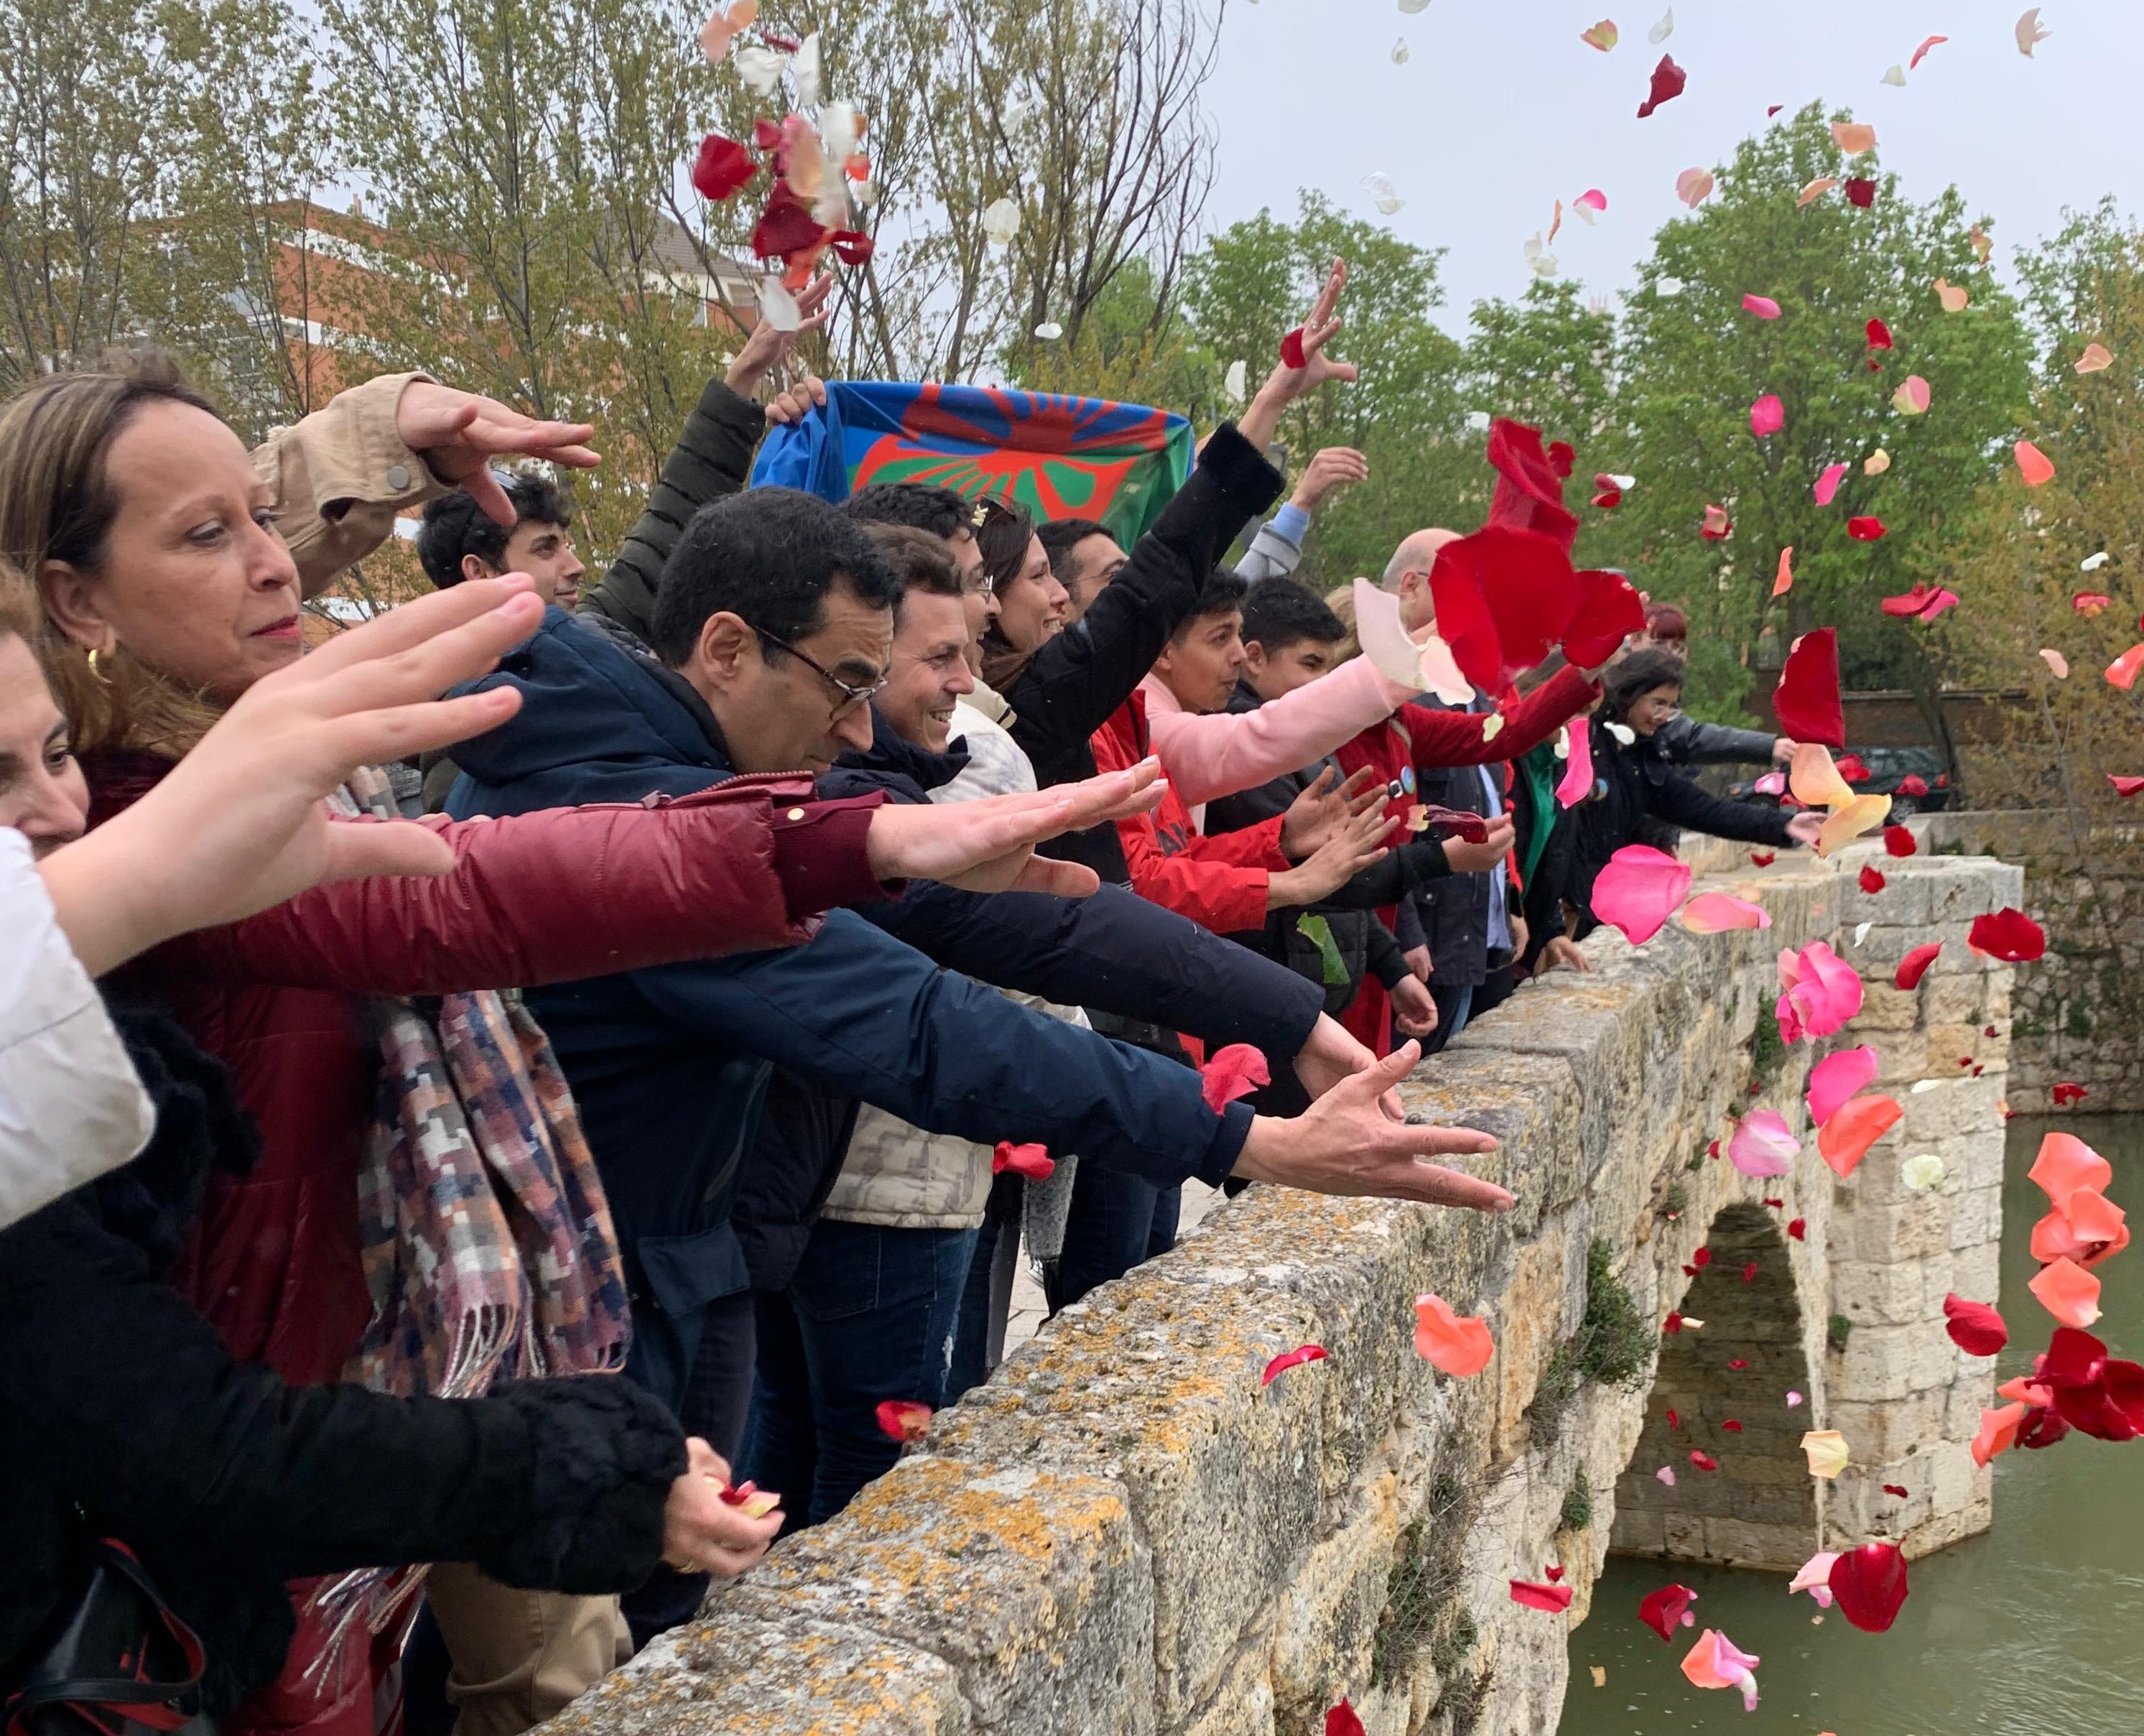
1805,828
702,1533
768,348
1261,420
988,845
458,433
1343,1144
1330,468
1320,813
239,824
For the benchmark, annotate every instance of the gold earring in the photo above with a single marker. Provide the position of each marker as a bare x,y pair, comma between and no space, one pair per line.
95,671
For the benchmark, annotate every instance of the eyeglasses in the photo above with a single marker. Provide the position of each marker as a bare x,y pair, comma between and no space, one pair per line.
851,697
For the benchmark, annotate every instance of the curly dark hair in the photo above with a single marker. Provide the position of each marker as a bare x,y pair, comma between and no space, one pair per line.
1630,678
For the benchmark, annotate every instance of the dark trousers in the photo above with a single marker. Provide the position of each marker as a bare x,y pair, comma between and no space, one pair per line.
1117,1221
717,1398
1455,1006
986,1299
868,1315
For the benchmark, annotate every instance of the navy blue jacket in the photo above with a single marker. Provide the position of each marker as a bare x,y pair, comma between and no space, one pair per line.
670,1065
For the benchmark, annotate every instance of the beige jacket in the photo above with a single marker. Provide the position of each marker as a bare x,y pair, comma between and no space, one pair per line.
342,476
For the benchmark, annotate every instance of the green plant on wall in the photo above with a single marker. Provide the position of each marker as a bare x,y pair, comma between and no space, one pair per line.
1613,1347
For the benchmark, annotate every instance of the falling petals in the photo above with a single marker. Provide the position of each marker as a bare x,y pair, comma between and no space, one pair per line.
1822,992
1974,1327
1553,1599
1982,243
1663,29
1844,1139
2033,465
1763,307
1868,1585
1827,1452
1836,1078
2123,671
2008,934
2124,787
1703,1460
1767,416
1871,879
1694,186
1814,1577
1763,1144
1342,1719
1912,397
2057,664
2095,359
1827,485
1032,1162
1281,1364
2084,1225
1914,966
1459,1344
1999,1431
723,24
1898,840
1716,1662
1380,188
1638,889
1816,189
1668,82
1666,1474
1233,1071
1793,1399
1863,528
1426,664
761,68
904,1420
1922,1173
723,167
777,307
1921,52
1853,136
1399,53
1001,222
1893,75
1921,603
1861,191
1850,820
1876,463
1953,296
1588,203
1806,700
1576,783
1797,1229
2030,31
1668,1609
1712,912
1783,581
1603,36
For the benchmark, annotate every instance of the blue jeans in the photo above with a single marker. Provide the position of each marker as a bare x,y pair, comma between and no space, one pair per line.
868,1316
1117,1221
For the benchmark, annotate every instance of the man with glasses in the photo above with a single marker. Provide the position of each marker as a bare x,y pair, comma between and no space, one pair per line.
773,626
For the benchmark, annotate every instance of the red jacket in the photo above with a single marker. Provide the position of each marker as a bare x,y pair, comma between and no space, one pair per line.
1416,737
279,997
1219,883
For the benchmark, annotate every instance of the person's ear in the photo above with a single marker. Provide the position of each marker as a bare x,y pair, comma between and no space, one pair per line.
1166,661
725,643
71,600
475,566
1254,657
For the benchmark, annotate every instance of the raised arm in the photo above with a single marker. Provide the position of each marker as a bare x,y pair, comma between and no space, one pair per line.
1680,802
1444,739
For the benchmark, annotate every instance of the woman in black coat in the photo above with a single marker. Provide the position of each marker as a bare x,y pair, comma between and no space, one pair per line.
1635,782
122,1416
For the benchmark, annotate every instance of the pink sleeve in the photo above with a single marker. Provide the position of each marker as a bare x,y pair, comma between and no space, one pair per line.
1207,757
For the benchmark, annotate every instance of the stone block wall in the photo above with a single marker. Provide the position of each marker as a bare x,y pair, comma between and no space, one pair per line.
1124,1532
2080,1010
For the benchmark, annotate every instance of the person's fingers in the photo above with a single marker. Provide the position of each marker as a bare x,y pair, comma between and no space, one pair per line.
703,1460
407,625
1345,372
1322,783
397,732
429,416
1059,879
355,851
1359,781
1433,1184
483,487
414,674
1390,1107
814,389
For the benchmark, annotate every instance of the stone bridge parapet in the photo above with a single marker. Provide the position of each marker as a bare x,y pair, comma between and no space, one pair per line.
1124,1532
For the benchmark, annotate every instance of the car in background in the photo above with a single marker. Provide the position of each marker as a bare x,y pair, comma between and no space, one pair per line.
1913,777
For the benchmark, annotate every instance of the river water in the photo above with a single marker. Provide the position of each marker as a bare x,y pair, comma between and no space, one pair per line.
2036,1629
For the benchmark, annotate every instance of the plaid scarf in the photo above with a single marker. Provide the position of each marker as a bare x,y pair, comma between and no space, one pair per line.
487,1240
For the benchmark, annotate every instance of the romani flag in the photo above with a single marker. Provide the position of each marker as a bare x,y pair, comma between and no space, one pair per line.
1058,457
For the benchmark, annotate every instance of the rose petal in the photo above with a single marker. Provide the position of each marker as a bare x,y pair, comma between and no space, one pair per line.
1850,820
1853,137
2123,671
2094,359
1845,1137
1827,485
1602,36
2033,465
1576,783
1668,81
1898,840
1032,1161
1783,581
2030,30
1638,889
1712,912
1836,1078
1763,1144
1460,1345
1343,1720
1876,463
1974,1327
2058,666
2008,934
1868,1585
1921,51
1767,416
1827,1452
1807,702
1912,398
1922,1173
1763,307
1553,1599
2066,1291
1998,1432
1694,186
1233,1071
1663,1610
904,1420
1816,189
2065,1164
1872,879
1292,1359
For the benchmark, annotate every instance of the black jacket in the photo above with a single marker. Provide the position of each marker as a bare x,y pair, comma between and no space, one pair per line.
1687,742
1074,682
1455,911
1631,785
670,1066
713,458
116,1398
1114,952
1365,946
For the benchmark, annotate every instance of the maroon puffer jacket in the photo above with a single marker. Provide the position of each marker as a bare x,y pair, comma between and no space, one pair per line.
273,1262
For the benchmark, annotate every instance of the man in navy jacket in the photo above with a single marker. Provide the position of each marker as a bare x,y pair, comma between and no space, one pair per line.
771,630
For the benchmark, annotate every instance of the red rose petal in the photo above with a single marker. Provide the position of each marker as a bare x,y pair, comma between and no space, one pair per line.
1668,81
1872,879
1291,350
1898,840
1974,1327
1663,1610
1730,1425
1749,1273
1343,1720
1912,784
1861,190
1292,1359
1806,700
1553,1599
723,167
1703,1460
1235,1071
1896,1488
904,1420
1863,528
1764,858
1738,1363
1703,1256
2125,787
1032,1161
1868,1585
2008,934
1799,1229
1879,334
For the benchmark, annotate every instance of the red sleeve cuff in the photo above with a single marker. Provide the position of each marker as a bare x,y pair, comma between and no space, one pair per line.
820,856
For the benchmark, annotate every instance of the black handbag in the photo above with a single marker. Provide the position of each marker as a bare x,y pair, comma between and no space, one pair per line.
117,1662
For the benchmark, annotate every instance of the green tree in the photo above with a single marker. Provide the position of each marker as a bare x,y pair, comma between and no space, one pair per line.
1691,363
1251,284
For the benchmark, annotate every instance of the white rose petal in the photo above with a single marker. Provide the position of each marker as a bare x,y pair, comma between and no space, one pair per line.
777,306
2093,563
806,67
1233,383
1001,222
761,68
1049,331
1662,31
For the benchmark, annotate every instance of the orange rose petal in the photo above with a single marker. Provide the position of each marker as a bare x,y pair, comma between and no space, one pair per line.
2069,1292
2066,1164
1854,1126
1460,1345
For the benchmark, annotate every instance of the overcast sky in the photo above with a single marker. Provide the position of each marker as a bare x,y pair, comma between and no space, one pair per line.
1500,110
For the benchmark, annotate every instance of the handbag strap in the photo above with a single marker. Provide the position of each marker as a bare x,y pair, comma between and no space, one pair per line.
150,1702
